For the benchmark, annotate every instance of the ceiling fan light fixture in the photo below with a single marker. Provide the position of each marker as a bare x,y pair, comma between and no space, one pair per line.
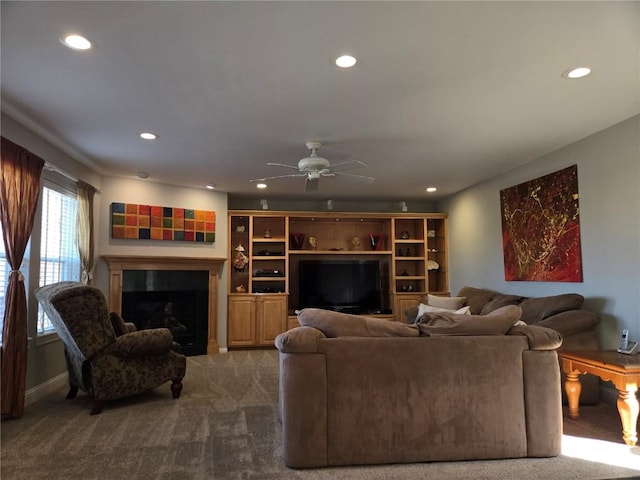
431,189
261,186
346,61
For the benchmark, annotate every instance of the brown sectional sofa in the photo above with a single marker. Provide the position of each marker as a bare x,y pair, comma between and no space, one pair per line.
357,390
563,313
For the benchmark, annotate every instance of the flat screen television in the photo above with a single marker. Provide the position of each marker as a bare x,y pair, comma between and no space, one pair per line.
350,286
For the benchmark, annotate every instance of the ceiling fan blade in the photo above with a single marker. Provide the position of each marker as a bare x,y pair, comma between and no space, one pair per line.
360,178
282,165
311,185
278,176
351,164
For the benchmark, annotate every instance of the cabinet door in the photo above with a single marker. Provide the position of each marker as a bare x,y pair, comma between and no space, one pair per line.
242,321
404,302
271,316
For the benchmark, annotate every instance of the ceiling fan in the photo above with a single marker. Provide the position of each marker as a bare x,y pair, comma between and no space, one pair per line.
313,167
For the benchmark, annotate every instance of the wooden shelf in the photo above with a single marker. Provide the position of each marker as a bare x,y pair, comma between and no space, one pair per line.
338,236
339,252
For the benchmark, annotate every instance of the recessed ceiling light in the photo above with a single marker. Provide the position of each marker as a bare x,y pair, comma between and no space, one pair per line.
148,136
261,185
345,61
75,42
577,73
210,186
431,189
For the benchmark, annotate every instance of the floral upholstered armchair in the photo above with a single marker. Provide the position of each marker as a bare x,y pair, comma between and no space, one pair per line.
103,364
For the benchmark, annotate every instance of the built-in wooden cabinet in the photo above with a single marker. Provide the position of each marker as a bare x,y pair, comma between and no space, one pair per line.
256,320
266,248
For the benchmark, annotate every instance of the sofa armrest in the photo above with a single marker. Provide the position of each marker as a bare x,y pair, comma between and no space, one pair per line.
540,338
154,341
299,340
571,322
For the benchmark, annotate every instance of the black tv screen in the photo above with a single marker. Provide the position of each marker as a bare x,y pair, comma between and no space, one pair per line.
350,286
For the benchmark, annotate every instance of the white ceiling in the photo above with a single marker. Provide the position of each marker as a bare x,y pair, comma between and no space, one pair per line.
444,93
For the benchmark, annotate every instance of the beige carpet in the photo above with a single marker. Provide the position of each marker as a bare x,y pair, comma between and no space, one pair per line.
225,427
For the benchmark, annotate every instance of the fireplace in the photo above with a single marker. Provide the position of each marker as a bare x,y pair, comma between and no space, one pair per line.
173,299
172,292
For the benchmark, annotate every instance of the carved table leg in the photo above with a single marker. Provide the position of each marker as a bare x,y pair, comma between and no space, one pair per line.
628,410
573,388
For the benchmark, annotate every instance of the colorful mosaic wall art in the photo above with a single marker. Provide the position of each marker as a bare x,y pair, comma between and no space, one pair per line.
149,222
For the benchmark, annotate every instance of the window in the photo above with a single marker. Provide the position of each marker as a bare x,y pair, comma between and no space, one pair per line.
59,259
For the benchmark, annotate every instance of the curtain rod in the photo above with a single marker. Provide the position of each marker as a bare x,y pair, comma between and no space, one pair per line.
53,168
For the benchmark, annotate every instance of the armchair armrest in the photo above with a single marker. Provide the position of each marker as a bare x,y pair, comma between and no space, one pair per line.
153,341
571,322
540,338
299,340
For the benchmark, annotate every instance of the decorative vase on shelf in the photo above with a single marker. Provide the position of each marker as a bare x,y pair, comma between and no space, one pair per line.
377,241
296,240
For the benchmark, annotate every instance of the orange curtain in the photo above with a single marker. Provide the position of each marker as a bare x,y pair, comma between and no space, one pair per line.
20,173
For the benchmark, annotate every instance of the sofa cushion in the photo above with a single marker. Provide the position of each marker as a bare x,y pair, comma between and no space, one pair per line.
498,301
336,324
537,309
451,303
498,322
476,298
540,338
299,340
422,309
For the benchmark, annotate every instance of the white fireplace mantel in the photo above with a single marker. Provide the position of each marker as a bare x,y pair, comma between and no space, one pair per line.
118,263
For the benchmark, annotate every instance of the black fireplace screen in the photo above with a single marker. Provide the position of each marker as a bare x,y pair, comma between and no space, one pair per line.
173,299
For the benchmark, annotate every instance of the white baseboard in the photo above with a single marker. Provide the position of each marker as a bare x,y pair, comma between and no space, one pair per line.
39,391
223,350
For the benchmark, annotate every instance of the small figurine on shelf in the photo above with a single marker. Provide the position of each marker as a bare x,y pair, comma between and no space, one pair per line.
313,242
355,243
408,252
240,228
267,233
240,261
404,235
241,289
400,254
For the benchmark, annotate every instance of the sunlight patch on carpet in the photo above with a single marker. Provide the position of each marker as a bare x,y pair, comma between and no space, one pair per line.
608,453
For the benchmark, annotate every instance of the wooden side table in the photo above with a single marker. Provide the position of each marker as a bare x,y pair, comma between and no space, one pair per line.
622,370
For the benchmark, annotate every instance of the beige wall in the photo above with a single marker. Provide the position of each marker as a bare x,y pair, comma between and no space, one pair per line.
609,188
132,190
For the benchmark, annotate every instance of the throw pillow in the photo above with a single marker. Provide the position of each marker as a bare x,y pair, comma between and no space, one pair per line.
476,298
336,324
537,309
498,322
500,301
452,303
422,309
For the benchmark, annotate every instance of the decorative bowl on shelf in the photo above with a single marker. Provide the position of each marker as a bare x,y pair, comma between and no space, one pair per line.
296,240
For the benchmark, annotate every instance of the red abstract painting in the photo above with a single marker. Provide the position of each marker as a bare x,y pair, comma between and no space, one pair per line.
541,229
